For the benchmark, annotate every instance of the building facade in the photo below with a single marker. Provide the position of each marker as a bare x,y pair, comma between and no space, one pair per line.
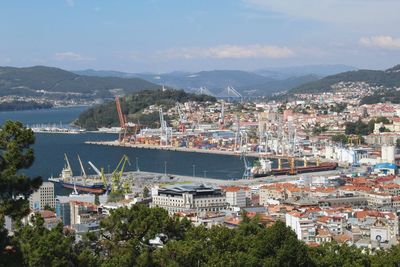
189,198
43,197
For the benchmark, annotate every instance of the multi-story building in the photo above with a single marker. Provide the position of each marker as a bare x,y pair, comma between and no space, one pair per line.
271,192
189,198
303,226
43,197
379,200
235,196
80,212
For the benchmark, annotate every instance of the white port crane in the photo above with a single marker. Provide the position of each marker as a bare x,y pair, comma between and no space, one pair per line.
99,173
82,168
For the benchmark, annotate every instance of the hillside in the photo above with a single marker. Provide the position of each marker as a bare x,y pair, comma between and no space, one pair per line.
105,115
388,78
56,83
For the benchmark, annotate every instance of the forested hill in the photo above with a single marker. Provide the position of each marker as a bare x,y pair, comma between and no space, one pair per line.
105,115
387,78
60,84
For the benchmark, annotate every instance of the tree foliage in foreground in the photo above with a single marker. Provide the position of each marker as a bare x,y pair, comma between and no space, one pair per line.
124,240
16,154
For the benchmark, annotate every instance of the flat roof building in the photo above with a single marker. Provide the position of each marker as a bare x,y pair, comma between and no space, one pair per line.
189,198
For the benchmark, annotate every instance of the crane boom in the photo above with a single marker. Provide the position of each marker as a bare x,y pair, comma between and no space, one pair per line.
121,116
82,168
68,165
100,173
94,168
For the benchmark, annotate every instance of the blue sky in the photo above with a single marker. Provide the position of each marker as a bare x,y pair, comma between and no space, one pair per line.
192,35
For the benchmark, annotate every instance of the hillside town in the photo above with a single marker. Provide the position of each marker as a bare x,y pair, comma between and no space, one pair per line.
355,203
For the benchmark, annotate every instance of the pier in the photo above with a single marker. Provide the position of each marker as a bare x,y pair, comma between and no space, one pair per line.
185,149
224,182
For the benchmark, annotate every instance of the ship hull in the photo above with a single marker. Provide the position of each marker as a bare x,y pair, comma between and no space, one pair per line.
84,188
299,170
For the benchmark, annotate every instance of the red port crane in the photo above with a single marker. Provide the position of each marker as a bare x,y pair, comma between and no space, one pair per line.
122,120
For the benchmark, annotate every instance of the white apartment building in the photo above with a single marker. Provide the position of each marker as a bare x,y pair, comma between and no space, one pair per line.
235,197
43,197
302,226
189,198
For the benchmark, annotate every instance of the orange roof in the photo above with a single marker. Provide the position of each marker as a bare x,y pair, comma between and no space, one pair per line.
374,213
390,186
323,219
277,208
355,188
341,238
231,188
325,189
46,214
323,232
233,220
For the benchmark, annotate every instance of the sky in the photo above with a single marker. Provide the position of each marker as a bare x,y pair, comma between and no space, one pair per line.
193,35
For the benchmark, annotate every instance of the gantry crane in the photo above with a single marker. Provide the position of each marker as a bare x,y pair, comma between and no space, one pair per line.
182,118
355,138
247,174
126,127
222,117
116,175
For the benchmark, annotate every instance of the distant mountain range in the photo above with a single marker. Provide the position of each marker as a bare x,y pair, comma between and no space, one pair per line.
260,82
387,78
296,71
55,83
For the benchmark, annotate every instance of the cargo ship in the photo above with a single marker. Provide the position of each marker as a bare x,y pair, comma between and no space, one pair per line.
263,168
79,183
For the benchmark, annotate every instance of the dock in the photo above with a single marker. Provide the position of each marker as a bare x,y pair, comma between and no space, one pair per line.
225,182
185,149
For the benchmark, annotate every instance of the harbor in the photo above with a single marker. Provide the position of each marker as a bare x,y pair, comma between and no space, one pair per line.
186,149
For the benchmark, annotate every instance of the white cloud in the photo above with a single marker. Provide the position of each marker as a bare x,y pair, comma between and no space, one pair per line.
385,42
382,12
230,52
71,56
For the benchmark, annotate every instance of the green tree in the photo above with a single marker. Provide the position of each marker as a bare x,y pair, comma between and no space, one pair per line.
127,232
398,143
333,254
146,192
96,199
340,138
42,247
16,154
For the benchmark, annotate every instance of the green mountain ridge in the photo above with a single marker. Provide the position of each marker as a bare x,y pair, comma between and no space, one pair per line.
56,83
388,78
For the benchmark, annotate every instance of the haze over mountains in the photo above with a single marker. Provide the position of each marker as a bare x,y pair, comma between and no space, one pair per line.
260,82
55,83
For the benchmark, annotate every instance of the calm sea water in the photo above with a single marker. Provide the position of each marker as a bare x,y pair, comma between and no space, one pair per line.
50,149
